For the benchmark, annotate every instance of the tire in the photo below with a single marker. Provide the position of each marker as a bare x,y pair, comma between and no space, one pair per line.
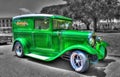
18,49
79,61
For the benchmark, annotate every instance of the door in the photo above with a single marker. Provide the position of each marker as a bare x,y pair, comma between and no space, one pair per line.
42,37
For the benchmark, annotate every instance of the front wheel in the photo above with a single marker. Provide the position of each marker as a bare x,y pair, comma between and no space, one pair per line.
18,49
79,61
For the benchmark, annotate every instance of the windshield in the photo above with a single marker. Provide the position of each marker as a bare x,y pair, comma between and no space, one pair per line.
62,24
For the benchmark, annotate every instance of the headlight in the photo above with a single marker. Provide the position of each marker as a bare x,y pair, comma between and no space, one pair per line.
92,41
98,39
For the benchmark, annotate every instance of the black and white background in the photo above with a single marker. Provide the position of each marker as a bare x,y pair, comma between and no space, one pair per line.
12,66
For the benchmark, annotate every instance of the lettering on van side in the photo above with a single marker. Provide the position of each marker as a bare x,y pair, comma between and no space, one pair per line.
22,23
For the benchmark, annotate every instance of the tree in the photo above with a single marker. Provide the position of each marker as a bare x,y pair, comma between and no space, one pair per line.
87,9
94,9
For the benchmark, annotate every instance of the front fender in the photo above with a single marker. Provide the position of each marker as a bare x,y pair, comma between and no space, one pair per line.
85,48
102,43
101,52
105,44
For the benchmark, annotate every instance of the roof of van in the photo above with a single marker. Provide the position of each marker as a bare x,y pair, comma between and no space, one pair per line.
41,15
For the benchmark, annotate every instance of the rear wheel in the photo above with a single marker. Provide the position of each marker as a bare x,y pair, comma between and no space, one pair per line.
79,61
18,49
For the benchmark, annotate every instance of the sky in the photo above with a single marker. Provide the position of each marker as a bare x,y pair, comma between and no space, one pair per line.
9,8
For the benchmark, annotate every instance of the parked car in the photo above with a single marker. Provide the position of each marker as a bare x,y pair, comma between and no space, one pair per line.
5,35
47,37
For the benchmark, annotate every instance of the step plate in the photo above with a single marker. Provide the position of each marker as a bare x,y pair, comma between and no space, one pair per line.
38,56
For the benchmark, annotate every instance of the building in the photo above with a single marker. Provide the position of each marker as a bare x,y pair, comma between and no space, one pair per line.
5,22
5,30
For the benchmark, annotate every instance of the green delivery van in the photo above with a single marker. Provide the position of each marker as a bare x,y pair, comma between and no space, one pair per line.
47,37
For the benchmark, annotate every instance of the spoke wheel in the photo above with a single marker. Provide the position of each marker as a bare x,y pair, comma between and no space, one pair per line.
79,61
18,49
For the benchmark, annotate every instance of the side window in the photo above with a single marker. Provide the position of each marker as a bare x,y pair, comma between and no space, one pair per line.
41,23
61,24
55,24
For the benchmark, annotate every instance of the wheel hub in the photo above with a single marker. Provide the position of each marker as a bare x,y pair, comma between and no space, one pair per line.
78,61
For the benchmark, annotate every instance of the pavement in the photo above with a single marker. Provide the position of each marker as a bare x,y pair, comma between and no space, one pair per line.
12,66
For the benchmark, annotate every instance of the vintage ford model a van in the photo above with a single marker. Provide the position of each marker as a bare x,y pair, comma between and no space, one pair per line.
47,37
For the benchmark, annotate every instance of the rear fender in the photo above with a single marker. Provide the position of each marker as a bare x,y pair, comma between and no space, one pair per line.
23,43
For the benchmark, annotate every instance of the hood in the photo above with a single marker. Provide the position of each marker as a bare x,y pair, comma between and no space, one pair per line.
73,33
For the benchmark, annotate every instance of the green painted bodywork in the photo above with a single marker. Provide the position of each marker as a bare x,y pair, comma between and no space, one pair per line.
51,43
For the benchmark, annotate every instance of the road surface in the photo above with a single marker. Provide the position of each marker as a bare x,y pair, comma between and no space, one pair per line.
12,66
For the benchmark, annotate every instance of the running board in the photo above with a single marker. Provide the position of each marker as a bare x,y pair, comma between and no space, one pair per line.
38,56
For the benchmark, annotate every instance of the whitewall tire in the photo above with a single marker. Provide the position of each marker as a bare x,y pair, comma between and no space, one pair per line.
79,61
